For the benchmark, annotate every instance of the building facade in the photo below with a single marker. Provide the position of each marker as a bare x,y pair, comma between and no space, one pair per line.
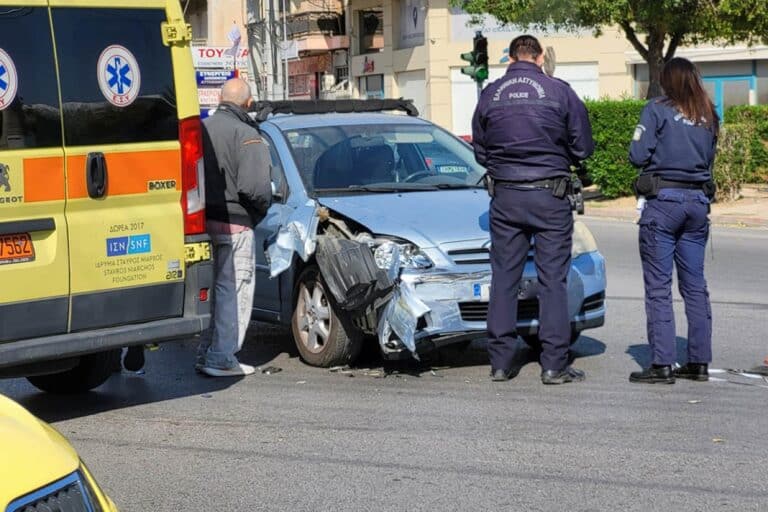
412,48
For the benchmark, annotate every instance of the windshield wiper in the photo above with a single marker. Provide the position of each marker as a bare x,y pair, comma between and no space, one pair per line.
384,188
455,186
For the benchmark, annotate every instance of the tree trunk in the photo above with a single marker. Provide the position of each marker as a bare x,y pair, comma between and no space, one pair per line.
655,63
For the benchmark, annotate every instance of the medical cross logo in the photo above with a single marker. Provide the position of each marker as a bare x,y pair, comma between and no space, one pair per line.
119,76
8,80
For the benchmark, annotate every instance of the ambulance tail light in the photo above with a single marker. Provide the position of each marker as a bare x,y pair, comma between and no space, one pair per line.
192,175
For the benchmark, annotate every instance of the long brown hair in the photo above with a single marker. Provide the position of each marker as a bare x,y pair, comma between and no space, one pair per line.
682,85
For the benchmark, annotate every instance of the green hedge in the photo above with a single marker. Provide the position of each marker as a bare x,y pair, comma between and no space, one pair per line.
742,154
755,120
613,123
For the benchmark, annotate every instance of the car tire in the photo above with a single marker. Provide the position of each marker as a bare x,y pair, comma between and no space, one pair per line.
92,371
320,334
534,343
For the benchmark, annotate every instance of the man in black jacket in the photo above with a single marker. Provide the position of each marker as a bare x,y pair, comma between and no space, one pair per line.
238,193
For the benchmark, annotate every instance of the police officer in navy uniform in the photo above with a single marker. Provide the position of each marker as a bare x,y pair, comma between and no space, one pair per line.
674,145
528,129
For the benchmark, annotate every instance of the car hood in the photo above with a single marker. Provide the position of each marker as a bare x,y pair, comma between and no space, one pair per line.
428,219
34,454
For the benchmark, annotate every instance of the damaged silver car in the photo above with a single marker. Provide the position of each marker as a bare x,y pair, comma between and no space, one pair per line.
379,232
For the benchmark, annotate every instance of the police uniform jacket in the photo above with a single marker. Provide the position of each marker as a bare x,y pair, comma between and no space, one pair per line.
668,144
529,126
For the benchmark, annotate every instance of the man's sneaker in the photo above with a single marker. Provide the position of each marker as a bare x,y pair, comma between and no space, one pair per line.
693,371
236,371
199,364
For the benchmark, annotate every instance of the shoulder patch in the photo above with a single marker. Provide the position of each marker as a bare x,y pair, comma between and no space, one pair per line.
639,130
251,141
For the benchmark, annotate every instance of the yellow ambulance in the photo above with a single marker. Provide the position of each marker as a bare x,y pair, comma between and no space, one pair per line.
102,207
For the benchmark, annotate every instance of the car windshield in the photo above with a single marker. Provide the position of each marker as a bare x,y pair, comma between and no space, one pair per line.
381,158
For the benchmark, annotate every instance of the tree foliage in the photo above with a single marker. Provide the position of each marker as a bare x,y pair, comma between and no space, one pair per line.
655,28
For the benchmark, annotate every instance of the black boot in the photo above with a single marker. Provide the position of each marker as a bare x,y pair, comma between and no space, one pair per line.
656,374
693,371
134,358
564,376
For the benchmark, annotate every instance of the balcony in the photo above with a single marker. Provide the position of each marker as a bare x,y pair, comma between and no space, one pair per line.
317,31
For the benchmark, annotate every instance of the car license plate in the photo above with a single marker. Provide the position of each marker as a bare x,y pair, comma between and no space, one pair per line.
16,248
481,292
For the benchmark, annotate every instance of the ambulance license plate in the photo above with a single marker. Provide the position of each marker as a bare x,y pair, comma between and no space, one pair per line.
16,248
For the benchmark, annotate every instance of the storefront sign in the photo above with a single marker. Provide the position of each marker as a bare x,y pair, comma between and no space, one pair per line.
412,16
369,65
208,95
310,65
218,57
213,78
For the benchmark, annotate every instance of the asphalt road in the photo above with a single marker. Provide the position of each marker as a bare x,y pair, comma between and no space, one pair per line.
447,438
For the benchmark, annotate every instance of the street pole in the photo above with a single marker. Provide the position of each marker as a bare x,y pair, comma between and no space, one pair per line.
479,91
285,51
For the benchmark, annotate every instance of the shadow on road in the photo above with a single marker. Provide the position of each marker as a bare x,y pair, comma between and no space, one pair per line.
168,374
641,353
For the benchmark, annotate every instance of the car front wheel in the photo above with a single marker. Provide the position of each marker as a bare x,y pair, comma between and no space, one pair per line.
318,331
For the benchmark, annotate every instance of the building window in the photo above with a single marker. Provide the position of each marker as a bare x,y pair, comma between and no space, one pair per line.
342,73
371,31
372,86
196,14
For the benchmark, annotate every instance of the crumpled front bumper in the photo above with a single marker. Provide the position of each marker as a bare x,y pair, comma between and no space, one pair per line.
458,302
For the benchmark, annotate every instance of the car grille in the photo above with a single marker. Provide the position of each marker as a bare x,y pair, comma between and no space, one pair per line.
478,311
475,256
526,309
66,495
593,302
479,256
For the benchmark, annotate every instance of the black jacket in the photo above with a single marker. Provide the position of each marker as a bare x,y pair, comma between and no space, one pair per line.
668,144
238,187
528,126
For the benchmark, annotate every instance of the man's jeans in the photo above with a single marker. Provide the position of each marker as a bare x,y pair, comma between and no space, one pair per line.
234,267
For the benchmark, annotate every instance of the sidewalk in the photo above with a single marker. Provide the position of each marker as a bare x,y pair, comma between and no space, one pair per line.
751,211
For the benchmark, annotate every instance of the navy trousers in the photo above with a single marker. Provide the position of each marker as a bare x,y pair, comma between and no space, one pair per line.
516,215
674,227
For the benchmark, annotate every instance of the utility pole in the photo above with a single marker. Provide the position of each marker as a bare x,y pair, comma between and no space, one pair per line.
285,52
257,63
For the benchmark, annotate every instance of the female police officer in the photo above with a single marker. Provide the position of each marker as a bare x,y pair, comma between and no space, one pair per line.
674,145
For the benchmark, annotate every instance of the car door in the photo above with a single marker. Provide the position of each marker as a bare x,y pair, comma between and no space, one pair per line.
267,300
123,162
34,263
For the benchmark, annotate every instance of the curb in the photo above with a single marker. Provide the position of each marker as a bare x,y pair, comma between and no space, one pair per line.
723,220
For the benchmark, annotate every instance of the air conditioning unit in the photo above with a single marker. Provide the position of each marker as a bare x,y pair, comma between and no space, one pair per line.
329,81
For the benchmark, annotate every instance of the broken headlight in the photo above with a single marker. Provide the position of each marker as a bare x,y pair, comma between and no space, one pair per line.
583,241
410,255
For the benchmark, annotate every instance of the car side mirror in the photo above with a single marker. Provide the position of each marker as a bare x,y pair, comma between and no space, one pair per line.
277,192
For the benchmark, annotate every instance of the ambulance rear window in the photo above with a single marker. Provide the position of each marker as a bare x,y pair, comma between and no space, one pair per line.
29,103
117,81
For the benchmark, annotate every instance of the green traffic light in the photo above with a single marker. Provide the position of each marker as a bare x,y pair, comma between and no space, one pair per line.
481,74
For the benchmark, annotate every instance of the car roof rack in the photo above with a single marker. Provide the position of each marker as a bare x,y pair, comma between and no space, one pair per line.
263,109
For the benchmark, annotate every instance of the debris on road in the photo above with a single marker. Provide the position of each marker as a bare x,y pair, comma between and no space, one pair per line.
269,370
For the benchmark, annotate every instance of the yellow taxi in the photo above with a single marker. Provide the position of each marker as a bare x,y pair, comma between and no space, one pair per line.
40,471
102,205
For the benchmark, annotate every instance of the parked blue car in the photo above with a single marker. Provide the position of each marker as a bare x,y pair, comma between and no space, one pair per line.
404,189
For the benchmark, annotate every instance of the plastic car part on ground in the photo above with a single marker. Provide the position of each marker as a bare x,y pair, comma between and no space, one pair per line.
297,236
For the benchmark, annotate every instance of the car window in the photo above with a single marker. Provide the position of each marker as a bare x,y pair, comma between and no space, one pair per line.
330,158
277,172
117,77
29,104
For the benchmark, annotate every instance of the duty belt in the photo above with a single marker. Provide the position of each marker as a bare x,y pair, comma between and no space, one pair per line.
690,185
548,183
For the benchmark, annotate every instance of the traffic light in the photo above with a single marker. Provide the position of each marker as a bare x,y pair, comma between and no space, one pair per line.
478,58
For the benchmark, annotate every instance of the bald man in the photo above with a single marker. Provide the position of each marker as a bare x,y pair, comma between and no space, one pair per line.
238,193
